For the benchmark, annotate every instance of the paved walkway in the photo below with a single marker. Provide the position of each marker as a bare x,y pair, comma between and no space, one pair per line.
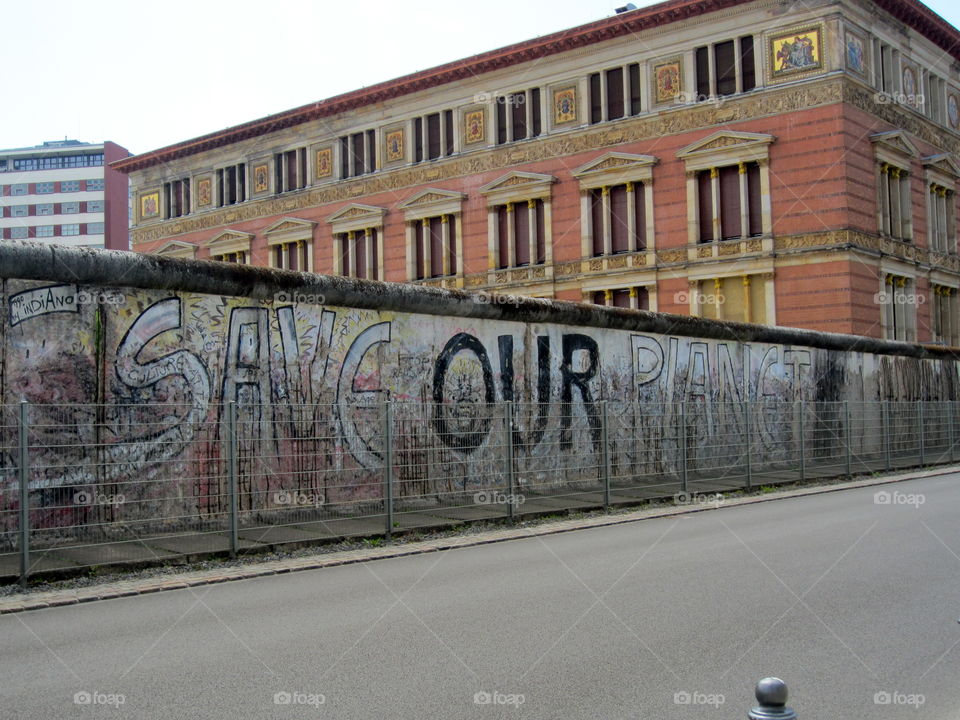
34,600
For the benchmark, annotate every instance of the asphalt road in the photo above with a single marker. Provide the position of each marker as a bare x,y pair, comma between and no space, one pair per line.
851,602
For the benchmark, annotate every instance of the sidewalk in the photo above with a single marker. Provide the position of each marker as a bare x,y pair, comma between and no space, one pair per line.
35,600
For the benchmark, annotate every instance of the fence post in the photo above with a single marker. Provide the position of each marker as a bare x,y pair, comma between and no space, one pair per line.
605,453
682,438
951,408
388,466
920,433
232,484
508,447
803,447
771,695
847,434
885,415
24,476
746,440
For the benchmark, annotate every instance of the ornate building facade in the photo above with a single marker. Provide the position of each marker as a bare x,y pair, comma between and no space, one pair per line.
764,161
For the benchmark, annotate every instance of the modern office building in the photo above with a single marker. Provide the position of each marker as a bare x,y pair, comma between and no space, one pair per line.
786,163
65,192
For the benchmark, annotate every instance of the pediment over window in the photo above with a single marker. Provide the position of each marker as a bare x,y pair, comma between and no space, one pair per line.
516,186
177,249
229,241
943,164
614,168
289,229
357,217
895,145
726,147
432,202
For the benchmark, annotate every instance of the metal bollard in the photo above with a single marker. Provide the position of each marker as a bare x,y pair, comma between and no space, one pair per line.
771,695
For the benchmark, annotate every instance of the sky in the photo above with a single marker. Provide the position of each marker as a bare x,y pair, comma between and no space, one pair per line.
149,76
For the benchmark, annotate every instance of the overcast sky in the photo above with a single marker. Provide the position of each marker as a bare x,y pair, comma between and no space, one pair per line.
148,75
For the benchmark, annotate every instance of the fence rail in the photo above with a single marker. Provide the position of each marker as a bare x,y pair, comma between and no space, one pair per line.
84,485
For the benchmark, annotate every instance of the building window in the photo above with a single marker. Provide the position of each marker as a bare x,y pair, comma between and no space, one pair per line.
357,252
519,116
290,170
45,209
92,185
741,298
45,188
56,162
615,93
290,255
934,97
945,315
521,236
728,202
942,206
358,154
70,208
728,186
617,219
232,185
898,301
636,298
176,198
95,206
885,67
616,194
433,136
434,247
725,68
71,229
44,231
70,186
95,228
19,233
895,220
19,210
234,257
19,189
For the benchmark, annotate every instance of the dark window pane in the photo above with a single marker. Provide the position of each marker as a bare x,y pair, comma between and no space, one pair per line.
705,206
518,112
421,235
535,112
360,253
418,139
639,190
614,93
635,107
703,73
436,247
621,298
521,221
371,158
730,202
596,218
643,299
358,154
501,120
344,157
503,244
452,231
726,69
433,136
448,129
753,198
596,109
748,68
541,235
618,219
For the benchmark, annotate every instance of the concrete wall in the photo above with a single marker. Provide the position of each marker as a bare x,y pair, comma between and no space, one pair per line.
163,343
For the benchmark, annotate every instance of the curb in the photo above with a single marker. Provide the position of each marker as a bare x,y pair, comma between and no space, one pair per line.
127,588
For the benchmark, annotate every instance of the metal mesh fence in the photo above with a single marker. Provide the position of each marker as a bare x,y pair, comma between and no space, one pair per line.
146,483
